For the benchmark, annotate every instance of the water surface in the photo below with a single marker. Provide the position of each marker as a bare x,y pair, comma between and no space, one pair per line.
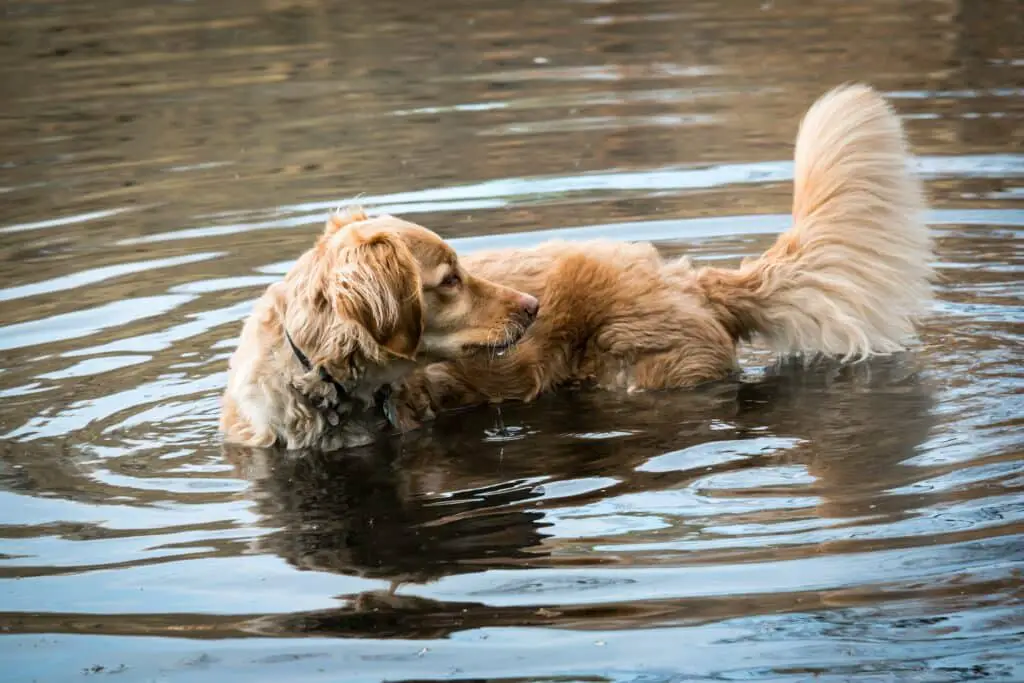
162,163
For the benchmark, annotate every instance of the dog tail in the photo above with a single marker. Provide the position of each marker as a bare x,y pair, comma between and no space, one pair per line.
853,273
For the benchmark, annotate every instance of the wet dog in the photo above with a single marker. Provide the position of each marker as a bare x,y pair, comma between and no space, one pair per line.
372,298
847,279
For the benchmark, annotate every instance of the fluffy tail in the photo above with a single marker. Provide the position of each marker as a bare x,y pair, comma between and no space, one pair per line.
852,274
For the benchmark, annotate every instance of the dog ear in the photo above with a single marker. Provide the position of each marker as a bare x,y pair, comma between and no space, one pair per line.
378,286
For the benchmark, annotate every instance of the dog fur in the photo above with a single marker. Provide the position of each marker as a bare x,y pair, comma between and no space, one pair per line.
848,279
372,298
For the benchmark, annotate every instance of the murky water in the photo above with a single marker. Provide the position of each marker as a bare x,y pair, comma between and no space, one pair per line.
162,162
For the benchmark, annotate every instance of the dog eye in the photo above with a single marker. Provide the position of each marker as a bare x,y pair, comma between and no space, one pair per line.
452,280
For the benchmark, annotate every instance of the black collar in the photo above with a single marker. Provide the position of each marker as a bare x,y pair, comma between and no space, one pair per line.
380,397
324,375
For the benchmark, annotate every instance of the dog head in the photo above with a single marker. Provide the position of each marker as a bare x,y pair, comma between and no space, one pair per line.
395,285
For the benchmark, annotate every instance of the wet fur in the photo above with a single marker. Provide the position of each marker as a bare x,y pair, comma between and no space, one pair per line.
848,279
364,304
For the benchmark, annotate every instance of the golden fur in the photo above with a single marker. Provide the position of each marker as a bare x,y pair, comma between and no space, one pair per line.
848,279
370,300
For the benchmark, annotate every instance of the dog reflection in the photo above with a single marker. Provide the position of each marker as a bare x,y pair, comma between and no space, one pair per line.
458,496
468,493
858,425
364,514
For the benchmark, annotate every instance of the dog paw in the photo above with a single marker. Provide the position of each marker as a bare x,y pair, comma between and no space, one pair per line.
410,405
313,388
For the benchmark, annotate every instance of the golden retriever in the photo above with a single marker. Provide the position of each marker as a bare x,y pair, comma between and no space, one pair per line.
372,298
848,279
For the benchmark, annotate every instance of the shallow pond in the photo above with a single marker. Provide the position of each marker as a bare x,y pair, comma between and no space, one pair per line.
163,162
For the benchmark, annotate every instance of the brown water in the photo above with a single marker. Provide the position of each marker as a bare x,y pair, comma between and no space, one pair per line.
162,162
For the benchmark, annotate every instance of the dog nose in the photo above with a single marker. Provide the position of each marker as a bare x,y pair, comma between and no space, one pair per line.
530,305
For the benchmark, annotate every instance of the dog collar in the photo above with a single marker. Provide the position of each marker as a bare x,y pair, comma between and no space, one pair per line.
324,375
381,396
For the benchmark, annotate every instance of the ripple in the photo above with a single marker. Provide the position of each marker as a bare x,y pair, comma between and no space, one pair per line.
94,275
555,586
502,193
715,453
64,220
87,322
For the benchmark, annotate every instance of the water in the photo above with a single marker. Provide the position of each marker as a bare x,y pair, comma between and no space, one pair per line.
163,162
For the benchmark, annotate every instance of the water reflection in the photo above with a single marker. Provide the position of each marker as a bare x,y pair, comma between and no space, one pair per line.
757,471
371,513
